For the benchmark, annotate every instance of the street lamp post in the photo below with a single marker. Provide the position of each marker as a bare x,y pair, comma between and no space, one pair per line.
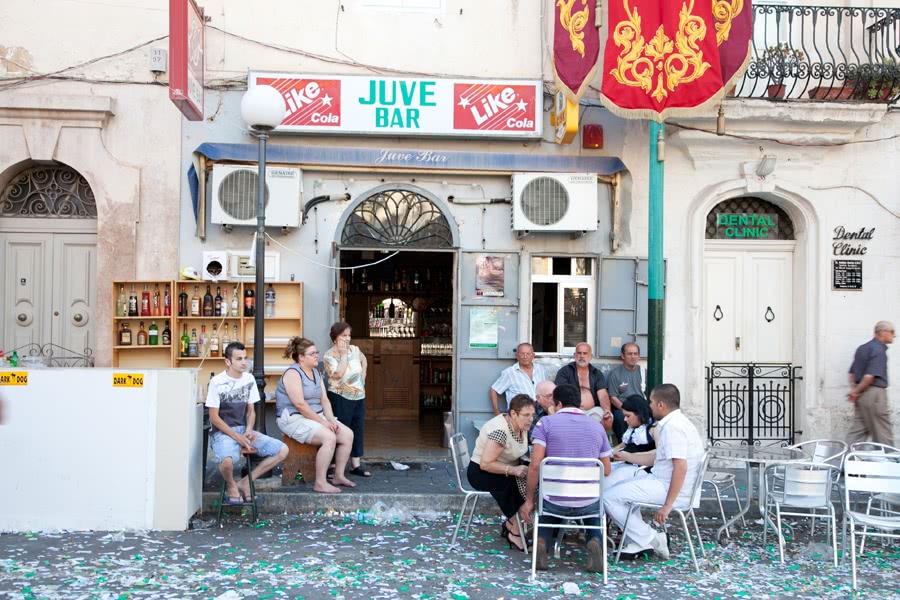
262,108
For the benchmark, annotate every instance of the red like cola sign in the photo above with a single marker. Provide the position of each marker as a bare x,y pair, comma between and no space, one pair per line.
479,106
309,102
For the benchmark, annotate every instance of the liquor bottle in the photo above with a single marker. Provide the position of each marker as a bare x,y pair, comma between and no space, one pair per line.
203,347
396,280
249,303
225,339
208,304
270,302
132,303
217,303
391,310
416,280
153,334
183,303
193,345
404,282
142,336
185,342
145,302
195,302
155,302
167,335
363,281
223,308
125,335
234,333
122,304
234,302
167,302
214,342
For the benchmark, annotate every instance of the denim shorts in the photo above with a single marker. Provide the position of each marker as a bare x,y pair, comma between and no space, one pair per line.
225,447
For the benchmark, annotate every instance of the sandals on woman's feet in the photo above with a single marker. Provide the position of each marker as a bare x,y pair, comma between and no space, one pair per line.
359,472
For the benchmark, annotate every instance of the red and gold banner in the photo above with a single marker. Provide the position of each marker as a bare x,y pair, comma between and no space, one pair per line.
673,57
576,46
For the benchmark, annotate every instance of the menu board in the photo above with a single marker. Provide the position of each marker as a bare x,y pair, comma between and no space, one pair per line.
846,275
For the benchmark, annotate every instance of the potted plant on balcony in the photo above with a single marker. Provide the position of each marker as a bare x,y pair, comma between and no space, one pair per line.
781,60
884,83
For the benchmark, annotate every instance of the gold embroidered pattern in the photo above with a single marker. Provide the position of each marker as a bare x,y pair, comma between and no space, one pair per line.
724,12
638,62
574,23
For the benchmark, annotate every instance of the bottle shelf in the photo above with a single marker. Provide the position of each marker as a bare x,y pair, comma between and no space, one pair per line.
144,347
205,318
143,318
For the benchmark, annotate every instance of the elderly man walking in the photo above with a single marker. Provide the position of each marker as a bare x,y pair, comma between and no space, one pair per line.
868,389
676,465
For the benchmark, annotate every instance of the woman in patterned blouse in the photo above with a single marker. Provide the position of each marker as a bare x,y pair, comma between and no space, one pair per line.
496,462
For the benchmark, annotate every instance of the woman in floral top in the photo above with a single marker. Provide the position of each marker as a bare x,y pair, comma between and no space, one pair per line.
345,369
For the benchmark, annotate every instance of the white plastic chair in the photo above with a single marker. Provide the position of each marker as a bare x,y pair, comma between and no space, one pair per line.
683,513
459,450
801,487
572,478
868,475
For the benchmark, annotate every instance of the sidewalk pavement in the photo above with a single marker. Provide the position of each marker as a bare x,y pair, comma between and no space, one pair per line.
334,556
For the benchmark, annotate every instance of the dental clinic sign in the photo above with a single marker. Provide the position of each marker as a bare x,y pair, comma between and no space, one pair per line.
343,104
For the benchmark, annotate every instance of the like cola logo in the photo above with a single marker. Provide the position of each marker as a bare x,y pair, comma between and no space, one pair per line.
497,107
309,102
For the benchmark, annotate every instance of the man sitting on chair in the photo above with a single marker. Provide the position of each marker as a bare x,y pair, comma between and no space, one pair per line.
568,433
676,464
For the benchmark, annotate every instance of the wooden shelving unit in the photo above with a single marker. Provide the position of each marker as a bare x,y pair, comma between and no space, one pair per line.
287,322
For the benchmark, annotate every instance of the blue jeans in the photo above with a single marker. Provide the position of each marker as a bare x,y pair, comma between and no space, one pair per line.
547,534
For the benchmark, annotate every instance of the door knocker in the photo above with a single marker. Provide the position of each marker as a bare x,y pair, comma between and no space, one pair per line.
718,314
770,315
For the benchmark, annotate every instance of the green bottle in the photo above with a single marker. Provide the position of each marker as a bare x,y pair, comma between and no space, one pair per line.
153,334
14,359
185,342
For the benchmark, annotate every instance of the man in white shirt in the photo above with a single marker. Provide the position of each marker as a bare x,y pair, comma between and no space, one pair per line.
676,466
520,378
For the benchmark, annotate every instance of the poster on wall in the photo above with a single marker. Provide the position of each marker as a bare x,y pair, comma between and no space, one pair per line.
489,271
484,327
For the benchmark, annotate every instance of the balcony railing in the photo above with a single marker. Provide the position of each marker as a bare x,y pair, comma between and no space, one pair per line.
829,53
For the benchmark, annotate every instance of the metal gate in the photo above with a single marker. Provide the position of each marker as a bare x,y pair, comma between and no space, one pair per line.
751,403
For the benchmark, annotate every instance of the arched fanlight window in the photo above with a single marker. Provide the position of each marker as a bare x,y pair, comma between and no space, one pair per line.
54,191
398,218
748,217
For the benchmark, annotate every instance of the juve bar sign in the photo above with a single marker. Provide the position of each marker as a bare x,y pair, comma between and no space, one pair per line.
186,48
407,106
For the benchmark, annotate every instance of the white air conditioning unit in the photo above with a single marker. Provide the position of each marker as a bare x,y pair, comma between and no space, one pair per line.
234,189
554,202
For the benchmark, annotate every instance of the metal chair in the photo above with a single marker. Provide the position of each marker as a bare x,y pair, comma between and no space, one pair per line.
572,478
720,480
829,452
800,486
683,513
873,447
459,450
865,474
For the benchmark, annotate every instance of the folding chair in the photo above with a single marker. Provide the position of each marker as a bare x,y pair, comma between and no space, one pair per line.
868,475
573,479
683,512
459,450
800,486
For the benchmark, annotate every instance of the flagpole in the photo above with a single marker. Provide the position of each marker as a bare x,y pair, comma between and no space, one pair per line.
656,266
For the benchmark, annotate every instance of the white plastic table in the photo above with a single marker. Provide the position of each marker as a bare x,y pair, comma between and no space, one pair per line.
753,456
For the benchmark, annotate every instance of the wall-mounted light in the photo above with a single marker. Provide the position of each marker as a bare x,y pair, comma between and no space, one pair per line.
592,137
766,166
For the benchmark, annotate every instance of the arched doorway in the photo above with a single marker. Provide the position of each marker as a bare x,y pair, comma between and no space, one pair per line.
396,290
748,321
48,258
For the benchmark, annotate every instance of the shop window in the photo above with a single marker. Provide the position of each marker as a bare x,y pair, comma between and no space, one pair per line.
562,303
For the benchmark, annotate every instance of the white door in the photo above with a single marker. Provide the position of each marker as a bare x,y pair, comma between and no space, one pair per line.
48,290
747,302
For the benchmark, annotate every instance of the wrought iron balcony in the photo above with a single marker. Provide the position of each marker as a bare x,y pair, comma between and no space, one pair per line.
824,53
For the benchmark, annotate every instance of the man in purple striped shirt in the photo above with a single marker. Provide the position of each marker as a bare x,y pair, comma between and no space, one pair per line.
569,433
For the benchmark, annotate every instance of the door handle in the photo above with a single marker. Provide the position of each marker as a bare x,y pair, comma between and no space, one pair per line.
77,318
718,314
737,343
770,314
22,317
